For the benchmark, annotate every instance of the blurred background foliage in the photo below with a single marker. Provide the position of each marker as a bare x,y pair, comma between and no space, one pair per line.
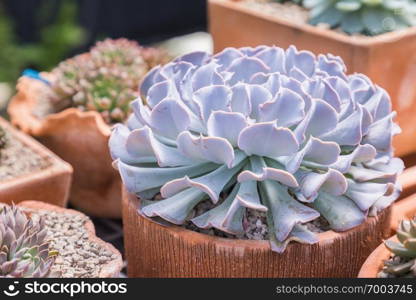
56,38
40,33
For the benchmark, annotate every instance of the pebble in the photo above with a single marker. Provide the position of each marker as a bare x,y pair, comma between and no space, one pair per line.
78,257
254,224
287,10
16,159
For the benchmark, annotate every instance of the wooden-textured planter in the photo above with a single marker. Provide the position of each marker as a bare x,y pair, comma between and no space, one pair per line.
403,209
110,269
388,59
50,185
81,139
154,250
374,263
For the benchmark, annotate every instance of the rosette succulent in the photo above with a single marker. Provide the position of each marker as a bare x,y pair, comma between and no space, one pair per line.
24,251
404,262
278,131
105,79
369,17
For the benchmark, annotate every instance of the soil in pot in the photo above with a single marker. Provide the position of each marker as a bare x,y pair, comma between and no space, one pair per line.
16,159
288,11
78,256
28,170
72,235
254,224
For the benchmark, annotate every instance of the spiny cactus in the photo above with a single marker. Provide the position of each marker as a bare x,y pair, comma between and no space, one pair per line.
404,264
281,132
106,79
370,17
24,251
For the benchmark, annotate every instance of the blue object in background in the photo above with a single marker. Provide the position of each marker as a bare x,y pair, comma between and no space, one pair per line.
35,75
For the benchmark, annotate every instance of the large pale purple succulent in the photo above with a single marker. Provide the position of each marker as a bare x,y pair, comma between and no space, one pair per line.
282,132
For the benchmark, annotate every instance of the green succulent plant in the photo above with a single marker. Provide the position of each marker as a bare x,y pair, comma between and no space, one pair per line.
369,17
106,79
404,262
24,250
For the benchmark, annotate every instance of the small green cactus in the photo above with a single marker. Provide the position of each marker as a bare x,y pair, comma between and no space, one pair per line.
404,262
369,17
24,250
106,79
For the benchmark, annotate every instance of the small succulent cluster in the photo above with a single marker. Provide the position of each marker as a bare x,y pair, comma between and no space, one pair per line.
369,17
24,251
105,79
278,131
404,262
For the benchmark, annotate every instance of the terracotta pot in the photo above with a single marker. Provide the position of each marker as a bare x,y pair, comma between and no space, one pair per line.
80,138
49,185
388,59
109,270
374,263
408,177
403,209
154,250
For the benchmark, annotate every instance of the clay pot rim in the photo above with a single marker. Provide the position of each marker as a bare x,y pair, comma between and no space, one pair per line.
408,181
362,41
35,125
73,112
195,237
110,269
402,209
374,263
57,165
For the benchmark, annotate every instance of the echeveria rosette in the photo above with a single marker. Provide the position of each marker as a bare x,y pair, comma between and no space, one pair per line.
282,132
369,17
24,249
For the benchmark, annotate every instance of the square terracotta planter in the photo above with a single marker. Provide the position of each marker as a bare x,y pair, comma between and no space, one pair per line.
50,185
388,59
81,139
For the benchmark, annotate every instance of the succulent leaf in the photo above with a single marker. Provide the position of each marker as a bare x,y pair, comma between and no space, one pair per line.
279,131
24,251
403,262
369,17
